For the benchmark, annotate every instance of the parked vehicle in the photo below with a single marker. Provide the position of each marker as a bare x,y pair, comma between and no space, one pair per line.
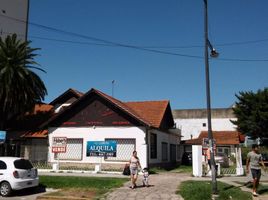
265,158
222,159
187,158
16,174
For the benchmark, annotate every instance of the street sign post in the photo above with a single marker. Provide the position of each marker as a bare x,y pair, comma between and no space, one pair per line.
59,146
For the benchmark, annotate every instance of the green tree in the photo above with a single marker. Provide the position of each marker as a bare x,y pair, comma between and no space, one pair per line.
20,87
251,111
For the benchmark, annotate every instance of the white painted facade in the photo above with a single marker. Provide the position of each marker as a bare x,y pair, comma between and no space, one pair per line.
169,139
191,128
138,134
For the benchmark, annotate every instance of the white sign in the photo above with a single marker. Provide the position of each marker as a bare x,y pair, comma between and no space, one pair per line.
59,144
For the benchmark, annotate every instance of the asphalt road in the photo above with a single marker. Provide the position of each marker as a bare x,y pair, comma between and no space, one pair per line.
27,194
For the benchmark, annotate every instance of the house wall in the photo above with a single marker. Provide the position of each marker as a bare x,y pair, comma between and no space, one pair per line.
100,134
193,127
35,150
167,138
193,121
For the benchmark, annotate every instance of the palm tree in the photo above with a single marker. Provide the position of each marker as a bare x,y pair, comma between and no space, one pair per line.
20,87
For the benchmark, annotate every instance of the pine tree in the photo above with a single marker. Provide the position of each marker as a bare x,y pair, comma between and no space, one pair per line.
251,111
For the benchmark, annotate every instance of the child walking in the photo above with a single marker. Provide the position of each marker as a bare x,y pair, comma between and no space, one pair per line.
145,180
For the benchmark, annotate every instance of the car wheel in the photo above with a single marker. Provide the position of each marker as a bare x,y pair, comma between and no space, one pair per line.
5,189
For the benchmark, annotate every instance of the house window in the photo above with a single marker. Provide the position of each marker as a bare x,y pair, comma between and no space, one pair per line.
153,145
124,149
74,150
164,151
223,150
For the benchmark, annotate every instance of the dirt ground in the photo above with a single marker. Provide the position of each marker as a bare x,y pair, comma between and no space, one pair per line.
69,194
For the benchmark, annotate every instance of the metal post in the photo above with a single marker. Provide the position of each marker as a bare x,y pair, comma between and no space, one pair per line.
210,136
113,88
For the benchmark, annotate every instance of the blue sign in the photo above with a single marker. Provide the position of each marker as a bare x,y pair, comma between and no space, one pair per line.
2,136
101,148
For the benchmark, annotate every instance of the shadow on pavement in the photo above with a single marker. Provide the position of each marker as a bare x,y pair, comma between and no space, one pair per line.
29,191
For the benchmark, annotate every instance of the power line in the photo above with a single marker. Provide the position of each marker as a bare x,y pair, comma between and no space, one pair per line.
102,40
143,48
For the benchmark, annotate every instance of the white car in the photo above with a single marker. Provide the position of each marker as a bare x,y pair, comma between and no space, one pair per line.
16,174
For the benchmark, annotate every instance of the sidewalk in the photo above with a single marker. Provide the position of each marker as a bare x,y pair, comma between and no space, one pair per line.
162,186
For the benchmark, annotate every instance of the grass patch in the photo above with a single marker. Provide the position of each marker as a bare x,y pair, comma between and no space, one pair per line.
196,190
180,169
91,185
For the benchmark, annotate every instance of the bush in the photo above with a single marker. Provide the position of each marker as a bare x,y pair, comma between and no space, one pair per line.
245,150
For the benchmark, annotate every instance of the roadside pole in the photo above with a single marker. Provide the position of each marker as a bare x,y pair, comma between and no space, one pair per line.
210,135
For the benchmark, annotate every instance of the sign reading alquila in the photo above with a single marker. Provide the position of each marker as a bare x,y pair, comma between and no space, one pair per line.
101,148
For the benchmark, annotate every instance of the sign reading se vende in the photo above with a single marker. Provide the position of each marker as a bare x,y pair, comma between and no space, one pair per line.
59,144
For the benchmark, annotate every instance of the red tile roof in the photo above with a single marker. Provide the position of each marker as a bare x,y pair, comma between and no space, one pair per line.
149,113
35,134
70,91
39,108
152,111
122,106
221,137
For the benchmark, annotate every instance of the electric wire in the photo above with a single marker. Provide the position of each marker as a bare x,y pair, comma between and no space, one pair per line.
104,42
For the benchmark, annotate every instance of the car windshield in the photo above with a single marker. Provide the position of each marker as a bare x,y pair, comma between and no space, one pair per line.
23,164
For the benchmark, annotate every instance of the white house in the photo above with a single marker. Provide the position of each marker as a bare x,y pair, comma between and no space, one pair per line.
193,121
82,119
193,125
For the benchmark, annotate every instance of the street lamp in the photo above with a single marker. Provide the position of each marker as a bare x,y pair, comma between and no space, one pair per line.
214,54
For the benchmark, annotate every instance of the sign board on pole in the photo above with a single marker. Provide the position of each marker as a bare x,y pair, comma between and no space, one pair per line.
205,145
101,148
2,137
59,144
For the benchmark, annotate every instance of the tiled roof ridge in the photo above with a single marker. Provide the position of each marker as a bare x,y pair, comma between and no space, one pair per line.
233,136
76,91
123,106
164,100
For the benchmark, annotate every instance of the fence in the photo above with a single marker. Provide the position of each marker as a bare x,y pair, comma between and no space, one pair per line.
79,167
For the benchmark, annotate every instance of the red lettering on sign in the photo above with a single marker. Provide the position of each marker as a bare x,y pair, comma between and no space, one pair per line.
58,149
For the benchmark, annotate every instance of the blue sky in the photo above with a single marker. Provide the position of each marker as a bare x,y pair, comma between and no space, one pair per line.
238,29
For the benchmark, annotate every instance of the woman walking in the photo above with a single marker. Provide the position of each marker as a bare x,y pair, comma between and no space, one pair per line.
134,165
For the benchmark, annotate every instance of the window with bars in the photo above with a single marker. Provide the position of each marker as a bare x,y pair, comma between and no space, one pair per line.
124,149
74,150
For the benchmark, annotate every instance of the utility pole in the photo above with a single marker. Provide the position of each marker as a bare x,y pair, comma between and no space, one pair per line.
210,135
